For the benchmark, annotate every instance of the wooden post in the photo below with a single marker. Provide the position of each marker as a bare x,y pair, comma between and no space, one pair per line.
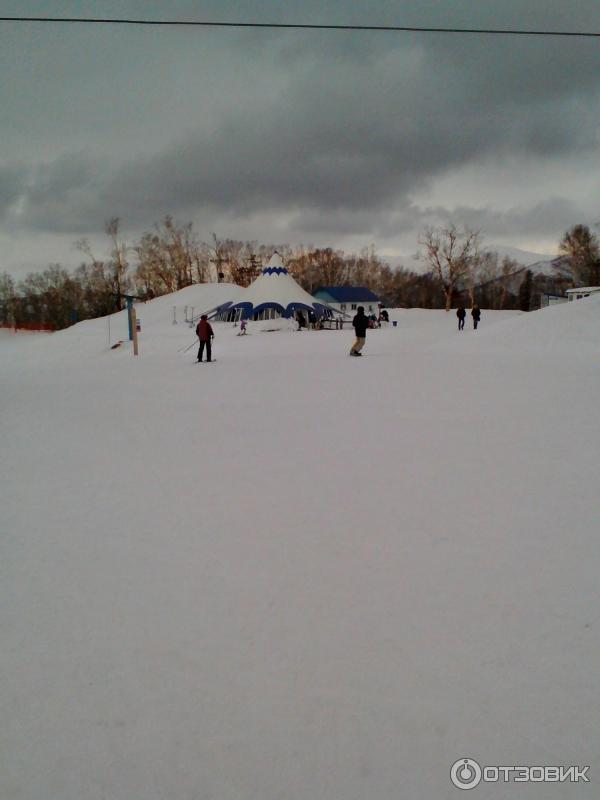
135,336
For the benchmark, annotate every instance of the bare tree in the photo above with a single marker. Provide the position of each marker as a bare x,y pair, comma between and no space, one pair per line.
510,268
581,250
113,270
7,298
452,256
494,279
118,264
84,246
170,258
321,267
217,256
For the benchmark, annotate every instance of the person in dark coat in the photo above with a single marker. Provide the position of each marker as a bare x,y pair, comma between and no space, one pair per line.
204,332
461,314
476,314
360,324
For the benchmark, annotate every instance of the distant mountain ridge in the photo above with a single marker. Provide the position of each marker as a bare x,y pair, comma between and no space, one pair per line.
524,257
537,262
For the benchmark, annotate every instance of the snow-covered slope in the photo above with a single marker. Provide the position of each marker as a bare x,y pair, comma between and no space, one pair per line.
295,574
568,331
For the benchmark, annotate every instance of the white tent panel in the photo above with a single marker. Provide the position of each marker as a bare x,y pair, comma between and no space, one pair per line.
275,290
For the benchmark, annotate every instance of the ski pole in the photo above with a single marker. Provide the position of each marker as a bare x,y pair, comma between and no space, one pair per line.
187,348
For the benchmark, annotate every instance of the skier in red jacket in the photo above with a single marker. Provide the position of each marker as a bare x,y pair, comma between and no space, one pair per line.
204,332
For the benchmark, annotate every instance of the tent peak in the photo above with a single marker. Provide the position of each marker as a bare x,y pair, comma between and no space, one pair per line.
275,266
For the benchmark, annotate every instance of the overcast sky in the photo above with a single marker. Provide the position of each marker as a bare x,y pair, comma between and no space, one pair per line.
316,137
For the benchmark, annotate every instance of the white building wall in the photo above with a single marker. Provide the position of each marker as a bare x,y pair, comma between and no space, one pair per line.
370,307
586,291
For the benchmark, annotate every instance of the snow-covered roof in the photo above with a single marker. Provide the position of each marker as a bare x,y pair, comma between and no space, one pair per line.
275,288
581,289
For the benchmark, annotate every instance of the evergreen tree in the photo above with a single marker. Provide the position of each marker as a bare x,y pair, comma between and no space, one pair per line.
525,290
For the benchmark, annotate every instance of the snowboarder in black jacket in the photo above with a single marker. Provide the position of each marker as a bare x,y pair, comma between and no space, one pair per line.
461,314
360,324
476,314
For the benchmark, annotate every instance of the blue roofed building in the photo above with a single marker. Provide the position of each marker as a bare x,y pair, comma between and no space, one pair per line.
346,299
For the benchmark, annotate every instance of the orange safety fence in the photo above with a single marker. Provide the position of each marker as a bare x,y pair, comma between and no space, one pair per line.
40,327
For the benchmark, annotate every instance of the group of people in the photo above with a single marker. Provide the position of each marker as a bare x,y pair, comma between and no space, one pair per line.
461,314
360,323
312,322
305,321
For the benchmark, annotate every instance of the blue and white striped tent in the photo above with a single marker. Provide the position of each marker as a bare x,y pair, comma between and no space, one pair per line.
273,294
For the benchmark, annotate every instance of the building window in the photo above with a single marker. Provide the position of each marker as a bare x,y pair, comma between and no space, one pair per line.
342,306
353,306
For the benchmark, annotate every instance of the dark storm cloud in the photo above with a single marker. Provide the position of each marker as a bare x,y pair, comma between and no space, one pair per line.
345,138
547,217
12,185
544,218
334,131
59,196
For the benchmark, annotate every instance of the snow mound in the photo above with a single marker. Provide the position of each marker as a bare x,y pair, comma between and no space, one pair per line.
92,337
570,329
202,297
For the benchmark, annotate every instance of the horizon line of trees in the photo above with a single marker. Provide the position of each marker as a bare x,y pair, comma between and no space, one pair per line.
171,257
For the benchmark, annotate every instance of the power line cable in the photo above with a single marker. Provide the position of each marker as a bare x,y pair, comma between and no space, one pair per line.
302,26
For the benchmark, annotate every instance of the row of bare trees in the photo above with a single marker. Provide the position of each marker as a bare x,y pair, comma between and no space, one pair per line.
463,269
456,268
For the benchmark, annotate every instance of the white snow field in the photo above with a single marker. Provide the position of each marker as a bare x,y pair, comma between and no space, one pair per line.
296,575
